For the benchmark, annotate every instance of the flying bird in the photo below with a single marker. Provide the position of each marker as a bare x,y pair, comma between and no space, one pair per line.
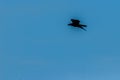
76,23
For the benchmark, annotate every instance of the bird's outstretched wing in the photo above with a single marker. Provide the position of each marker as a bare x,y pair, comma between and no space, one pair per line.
75,21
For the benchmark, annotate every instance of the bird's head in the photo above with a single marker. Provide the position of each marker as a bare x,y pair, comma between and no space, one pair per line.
70,24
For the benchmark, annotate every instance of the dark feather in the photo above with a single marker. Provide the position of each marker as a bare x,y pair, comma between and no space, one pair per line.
75,21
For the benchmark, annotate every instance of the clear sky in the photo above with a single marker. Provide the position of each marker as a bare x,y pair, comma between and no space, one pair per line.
37,44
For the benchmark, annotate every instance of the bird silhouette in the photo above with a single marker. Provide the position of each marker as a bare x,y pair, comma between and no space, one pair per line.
76,23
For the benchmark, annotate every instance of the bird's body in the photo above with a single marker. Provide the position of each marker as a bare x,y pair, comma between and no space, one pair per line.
76,23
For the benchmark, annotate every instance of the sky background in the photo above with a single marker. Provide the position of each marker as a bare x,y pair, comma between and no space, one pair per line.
37,44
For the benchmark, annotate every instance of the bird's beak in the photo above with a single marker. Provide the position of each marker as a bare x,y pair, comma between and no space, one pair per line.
69,24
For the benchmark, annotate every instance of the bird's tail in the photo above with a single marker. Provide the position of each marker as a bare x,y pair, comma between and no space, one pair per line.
84,25
82,28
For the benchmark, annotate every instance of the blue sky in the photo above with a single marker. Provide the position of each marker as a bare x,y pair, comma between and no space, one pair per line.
37,44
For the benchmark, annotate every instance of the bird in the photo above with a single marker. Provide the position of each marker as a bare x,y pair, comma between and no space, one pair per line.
76,23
